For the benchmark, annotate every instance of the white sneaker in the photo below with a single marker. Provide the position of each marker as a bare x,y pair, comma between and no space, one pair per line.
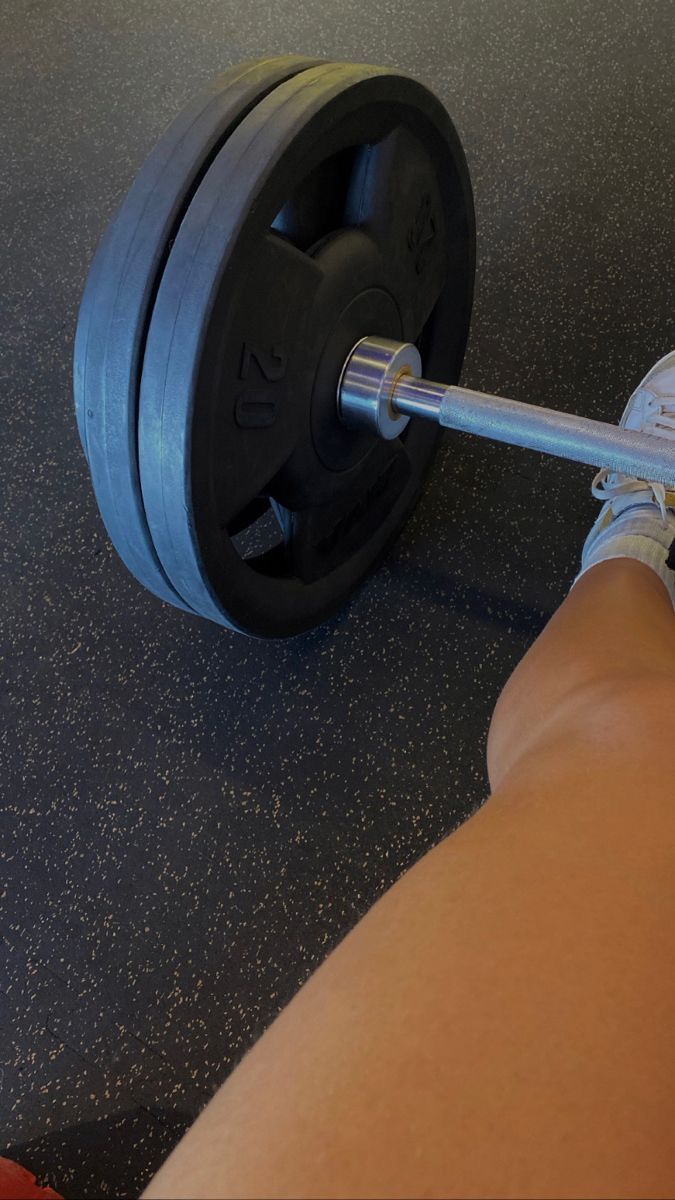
637,519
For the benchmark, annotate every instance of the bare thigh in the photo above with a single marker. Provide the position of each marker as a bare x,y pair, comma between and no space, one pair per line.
501,1022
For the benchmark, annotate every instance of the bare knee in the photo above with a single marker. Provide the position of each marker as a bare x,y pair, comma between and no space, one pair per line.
625,717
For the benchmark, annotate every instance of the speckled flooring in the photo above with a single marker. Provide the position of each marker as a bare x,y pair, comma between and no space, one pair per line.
191,820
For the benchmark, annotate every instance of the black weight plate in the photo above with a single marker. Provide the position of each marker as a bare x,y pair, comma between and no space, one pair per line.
120,291
340,207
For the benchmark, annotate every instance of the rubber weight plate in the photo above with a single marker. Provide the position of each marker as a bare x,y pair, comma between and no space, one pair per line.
339,207
120,291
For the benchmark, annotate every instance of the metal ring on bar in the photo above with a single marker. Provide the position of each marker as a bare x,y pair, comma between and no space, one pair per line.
369,379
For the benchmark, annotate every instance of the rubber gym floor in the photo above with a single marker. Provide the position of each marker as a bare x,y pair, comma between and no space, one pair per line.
191,820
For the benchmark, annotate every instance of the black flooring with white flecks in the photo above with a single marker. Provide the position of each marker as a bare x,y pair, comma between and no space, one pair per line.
190,820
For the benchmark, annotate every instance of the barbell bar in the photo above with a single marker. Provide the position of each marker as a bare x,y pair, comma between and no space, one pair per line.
381,388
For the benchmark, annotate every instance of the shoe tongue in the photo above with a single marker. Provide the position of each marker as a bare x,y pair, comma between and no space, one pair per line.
642,499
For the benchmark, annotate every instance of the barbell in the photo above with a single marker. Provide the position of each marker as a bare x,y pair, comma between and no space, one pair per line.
249,347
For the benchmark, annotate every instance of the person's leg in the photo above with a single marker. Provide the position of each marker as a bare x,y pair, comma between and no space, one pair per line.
501,1022
612,640
615,628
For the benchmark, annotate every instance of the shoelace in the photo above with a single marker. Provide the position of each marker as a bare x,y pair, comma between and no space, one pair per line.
625,485
661,415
